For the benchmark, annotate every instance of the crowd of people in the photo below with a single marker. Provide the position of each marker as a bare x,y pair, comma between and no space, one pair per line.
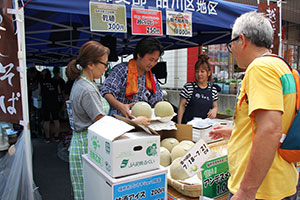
46,99
262,111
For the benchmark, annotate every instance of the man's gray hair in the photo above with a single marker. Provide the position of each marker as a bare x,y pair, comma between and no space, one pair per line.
256,28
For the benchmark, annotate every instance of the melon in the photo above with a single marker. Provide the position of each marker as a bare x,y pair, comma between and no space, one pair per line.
213,155
169,143
180,150
165,157
141,109
188,142
163,109
176,170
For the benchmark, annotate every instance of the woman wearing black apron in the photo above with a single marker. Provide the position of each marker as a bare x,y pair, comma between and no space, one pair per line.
198,98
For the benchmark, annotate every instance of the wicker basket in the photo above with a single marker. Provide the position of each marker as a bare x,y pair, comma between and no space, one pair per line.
195,190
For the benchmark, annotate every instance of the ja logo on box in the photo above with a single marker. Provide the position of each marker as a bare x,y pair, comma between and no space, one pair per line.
151,150
95,142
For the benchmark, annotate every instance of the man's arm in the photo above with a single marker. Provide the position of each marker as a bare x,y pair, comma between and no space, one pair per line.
123,108
264,147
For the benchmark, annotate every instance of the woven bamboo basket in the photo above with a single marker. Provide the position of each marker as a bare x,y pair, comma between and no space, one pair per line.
192,189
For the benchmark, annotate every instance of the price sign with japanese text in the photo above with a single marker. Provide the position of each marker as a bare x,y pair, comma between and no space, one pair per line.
179,24
146,22
195,158
153,187
215,175
108,17
10,93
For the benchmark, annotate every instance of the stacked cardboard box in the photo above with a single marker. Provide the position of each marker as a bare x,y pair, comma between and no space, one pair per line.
123,162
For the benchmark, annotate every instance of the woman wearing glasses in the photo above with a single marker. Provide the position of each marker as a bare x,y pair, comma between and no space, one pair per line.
198,98
85,105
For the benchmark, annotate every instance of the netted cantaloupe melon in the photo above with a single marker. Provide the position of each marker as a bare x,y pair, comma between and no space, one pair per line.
188,142
141,109
169,143
213,155
165,157
180,150
176,170
163,109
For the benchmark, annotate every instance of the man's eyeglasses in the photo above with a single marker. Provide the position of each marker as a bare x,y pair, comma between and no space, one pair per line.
229,43
105,64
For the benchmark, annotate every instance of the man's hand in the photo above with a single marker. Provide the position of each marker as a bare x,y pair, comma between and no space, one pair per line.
125,110
220,131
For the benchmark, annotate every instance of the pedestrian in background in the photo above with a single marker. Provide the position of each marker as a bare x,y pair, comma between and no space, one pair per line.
60,82
49,92
198,98
264,111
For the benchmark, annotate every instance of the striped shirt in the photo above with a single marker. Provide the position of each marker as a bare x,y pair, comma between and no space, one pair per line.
188,89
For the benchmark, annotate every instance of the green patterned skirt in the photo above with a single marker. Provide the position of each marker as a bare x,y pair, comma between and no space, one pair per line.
78,147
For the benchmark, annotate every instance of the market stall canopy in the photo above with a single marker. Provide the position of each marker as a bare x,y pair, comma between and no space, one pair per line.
56,29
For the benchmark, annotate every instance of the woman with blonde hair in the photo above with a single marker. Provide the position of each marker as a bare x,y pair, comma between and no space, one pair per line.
198,98
85,105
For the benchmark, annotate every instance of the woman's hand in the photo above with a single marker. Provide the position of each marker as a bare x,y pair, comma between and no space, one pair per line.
220,131
212,113
142,120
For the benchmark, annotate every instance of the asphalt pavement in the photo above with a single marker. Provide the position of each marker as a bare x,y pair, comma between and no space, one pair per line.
51,170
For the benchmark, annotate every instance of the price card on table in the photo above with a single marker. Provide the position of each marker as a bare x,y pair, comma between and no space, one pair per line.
195,158
215,175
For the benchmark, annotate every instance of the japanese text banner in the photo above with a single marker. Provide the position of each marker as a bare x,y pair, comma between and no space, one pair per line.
10,92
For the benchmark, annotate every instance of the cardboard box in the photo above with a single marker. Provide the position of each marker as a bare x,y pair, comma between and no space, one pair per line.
120,150
183,132
100,186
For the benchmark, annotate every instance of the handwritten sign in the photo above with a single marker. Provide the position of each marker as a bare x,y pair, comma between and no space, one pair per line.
108,17
10,93
146,22
271,11
179,24
215,175
195,158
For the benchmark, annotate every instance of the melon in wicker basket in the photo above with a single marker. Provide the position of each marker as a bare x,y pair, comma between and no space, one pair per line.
192,187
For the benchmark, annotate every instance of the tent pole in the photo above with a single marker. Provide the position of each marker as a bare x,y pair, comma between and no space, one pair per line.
23,81
279,4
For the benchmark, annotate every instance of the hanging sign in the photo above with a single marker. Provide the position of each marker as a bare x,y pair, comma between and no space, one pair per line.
146,22
215,175
179,24
108,17
195,158
10,92
271,11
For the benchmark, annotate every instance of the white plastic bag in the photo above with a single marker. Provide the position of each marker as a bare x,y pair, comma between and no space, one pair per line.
14,177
